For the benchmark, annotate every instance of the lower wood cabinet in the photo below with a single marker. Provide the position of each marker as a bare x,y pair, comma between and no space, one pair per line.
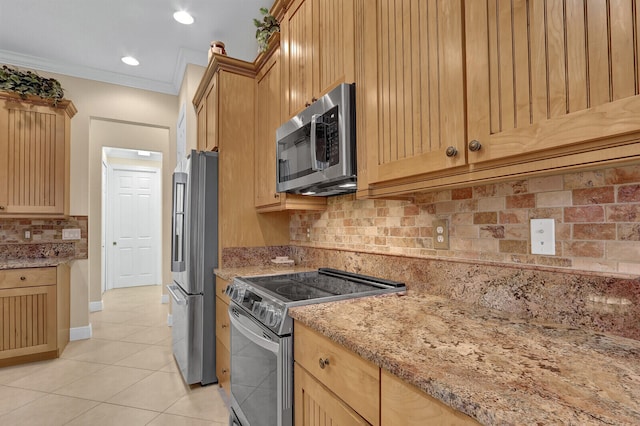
336,386
34,313
223,354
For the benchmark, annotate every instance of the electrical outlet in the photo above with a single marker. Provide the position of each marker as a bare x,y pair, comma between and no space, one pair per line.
543,236
441,234
71,234
27,234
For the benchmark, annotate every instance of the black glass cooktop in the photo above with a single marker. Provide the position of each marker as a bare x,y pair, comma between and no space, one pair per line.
320,284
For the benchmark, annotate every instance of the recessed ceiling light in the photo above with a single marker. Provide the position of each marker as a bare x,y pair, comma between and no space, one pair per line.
130,60
183,17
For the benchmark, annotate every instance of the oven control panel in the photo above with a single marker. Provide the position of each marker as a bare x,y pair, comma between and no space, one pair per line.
264,308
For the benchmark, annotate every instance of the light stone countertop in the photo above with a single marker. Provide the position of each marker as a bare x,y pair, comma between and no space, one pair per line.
31,263
498,369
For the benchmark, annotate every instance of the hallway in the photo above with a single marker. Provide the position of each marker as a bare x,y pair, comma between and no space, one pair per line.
124,375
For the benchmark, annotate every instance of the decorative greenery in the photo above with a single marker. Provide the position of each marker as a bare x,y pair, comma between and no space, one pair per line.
29,83
265,28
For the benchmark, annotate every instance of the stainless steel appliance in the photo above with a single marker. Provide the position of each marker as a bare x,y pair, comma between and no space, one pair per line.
194,255
261,336
316,149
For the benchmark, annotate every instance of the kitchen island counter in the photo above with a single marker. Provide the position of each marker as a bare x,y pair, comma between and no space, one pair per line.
494,367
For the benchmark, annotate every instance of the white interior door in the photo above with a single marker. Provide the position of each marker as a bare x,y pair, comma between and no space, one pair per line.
135,235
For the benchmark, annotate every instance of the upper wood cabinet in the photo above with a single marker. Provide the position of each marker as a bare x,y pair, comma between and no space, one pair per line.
268,118
208,111
550,86
571,78
413,108
34,156
318,50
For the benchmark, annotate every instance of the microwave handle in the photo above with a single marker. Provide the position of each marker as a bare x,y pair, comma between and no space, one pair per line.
314,158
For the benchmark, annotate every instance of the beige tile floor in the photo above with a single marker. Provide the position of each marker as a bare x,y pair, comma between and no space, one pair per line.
124,375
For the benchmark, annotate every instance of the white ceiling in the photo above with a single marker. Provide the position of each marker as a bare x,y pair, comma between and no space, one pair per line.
87,38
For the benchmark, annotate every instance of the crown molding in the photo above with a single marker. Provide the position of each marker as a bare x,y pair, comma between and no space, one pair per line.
172,88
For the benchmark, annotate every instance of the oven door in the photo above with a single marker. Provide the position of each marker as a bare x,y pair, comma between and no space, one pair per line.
261,372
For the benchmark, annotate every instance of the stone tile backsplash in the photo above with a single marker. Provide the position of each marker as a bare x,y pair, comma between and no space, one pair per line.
46,238
596,213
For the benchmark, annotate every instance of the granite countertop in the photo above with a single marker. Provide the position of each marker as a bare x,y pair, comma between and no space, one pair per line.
32,263
497,369
246,271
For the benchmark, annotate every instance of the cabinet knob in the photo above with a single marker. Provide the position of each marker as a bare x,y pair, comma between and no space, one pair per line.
224,371
1,207
323,362
314,99
276,195
22,278
224,326
475,146
307,104
451,151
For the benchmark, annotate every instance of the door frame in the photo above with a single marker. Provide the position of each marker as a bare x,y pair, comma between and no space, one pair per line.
157,177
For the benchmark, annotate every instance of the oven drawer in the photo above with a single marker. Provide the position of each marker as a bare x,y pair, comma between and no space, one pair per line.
353,379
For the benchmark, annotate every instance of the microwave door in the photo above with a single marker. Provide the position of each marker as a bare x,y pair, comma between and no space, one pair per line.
294,158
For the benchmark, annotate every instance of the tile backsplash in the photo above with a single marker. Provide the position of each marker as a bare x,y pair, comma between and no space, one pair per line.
596,214
45,238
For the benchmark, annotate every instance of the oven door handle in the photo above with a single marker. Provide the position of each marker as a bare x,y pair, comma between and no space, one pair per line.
249,334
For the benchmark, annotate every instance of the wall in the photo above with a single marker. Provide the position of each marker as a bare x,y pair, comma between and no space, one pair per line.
597,217
133,109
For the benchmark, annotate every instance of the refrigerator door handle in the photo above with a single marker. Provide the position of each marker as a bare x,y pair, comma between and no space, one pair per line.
177,298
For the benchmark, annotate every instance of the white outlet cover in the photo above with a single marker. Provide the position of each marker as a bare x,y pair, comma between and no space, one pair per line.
543,236
71,234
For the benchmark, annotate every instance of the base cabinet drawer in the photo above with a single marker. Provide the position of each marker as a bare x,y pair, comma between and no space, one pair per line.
318,406
344,372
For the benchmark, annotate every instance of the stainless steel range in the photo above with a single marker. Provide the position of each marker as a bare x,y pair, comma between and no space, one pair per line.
261,336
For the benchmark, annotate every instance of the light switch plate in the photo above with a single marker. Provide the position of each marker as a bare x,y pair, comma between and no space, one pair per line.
441,234
543,236
71,234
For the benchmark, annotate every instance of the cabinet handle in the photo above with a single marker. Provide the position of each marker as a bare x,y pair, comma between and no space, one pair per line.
475,146
323,362
451,151
23,278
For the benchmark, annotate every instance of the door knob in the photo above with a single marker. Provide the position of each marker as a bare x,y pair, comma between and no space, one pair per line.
115,244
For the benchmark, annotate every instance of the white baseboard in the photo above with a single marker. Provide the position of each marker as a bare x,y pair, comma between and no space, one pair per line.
96,306
80,333
169,320
165,299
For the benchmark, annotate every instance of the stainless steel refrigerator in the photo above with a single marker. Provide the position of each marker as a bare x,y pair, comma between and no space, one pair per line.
194,255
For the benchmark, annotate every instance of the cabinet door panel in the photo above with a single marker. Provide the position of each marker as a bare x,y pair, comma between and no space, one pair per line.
572,77
334,60
28,321
34,151
419,86
297,37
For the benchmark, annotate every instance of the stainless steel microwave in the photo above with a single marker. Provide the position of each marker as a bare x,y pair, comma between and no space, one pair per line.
316,149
